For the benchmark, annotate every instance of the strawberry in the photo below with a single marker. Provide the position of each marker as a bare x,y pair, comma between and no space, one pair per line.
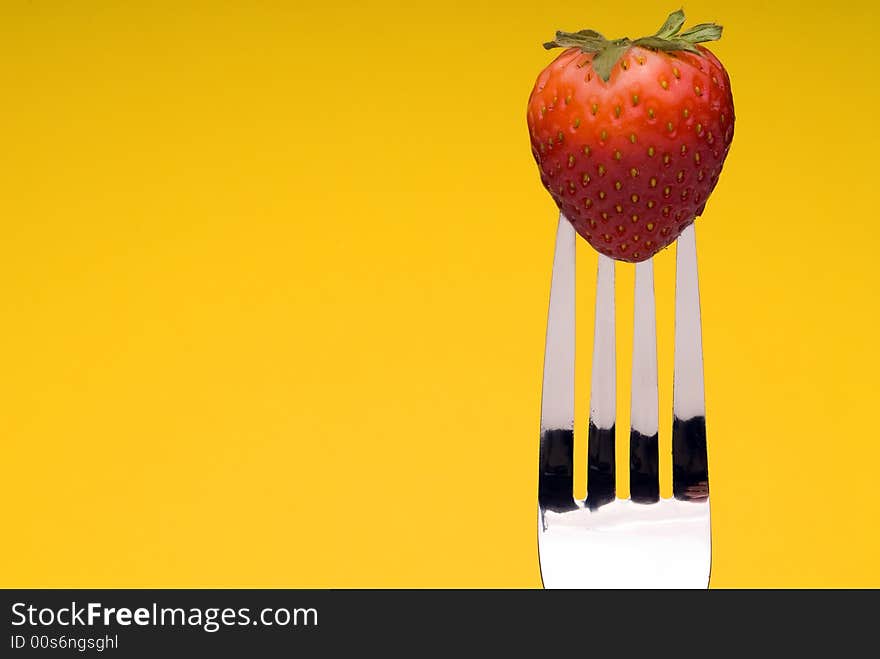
630,135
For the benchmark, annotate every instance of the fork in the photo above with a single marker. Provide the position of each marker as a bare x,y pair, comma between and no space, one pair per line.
604,541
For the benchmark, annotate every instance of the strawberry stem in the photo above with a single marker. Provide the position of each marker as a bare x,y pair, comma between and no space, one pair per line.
668,38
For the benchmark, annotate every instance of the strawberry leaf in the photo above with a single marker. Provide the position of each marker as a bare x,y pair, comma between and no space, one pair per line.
605,60
666,45
654,43
590,33
672,25
682,44
702,32
587,40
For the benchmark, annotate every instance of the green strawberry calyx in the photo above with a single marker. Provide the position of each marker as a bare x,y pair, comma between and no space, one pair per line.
607,52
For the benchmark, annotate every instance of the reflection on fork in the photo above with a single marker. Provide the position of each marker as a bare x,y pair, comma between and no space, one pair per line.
644,541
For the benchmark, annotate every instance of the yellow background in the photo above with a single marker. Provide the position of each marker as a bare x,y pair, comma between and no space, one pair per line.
275,278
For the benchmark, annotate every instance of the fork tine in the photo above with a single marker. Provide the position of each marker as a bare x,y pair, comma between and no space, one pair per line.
690,474
643,453
556,459
601,484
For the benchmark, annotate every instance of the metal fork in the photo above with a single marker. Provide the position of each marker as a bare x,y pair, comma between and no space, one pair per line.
604,541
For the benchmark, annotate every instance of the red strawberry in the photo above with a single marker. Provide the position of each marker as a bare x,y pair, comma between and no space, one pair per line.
630,136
